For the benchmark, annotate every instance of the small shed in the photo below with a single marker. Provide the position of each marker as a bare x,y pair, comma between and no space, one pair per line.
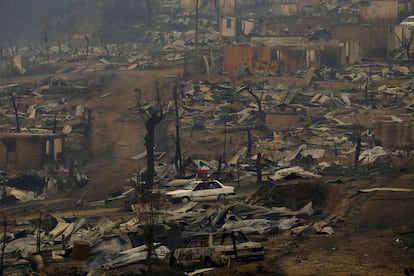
25,151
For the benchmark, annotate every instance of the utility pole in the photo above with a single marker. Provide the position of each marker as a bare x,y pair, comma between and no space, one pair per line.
225,141
177,160
196,44
3,246
39,227
45,38
218,18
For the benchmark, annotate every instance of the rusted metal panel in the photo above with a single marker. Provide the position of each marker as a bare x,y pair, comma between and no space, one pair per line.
267,59
236,57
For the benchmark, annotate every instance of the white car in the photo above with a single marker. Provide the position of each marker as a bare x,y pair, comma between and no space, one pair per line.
201,190
409,21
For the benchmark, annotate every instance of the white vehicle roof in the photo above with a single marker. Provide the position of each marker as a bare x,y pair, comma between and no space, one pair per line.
409,21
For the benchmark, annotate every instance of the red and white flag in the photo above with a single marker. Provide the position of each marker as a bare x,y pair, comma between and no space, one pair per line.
202,169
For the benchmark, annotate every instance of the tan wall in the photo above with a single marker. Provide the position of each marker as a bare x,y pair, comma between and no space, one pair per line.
296,24
395,135
285,9
207,6
349,52
303,4
227,7
404,7
58,147
228,30
380,10
30,153
374,39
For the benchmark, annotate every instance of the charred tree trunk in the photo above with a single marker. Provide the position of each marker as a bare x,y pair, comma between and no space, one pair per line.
16,106
154,118
196,42
357,151
54,130
233,238
218,17
87,46
103,45
177,159
71,167
259,169
46,46
39,227
148,219
225,142
406,42
238,174
366,93
3,247
149,145
249,143
219,161
149,238
45,39
261,114
88,128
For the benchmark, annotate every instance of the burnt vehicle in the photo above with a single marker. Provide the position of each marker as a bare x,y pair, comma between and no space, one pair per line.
61,86
215,249
19,89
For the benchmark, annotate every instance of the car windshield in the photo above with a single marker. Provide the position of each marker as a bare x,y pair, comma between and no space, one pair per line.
190,186
227,239
409,19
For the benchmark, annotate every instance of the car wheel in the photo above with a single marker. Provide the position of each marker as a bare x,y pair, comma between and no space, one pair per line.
208,262
221,197
185,199
173,262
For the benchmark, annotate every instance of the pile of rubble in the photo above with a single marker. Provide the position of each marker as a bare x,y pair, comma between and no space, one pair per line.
114,244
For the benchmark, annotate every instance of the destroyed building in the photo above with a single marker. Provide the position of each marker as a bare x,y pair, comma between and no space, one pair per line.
22,151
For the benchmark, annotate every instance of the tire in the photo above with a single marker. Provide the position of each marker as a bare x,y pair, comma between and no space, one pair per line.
173,262
222,197
185,199
208,262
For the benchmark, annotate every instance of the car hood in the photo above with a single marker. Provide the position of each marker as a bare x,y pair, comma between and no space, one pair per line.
178,192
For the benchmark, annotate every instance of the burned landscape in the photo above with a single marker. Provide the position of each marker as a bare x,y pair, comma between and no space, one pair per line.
204,137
